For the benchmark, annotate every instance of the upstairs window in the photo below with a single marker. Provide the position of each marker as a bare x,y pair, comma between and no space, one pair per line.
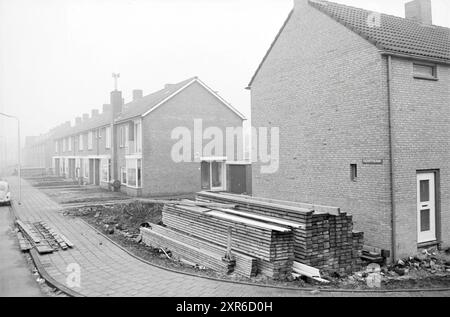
64,145
108,137
425,71
80,142
56,146
122,136
69,145
90,140
138,136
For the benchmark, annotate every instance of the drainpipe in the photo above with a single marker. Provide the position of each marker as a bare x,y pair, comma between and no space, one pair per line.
391,156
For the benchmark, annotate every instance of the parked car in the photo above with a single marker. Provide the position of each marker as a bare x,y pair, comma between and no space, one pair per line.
5,195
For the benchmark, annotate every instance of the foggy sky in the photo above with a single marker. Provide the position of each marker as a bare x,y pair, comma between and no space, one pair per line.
57,56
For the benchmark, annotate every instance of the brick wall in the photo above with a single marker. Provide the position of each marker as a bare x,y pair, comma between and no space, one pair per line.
161,175
324,87
420,115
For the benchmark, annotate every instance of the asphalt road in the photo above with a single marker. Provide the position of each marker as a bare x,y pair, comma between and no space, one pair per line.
16,279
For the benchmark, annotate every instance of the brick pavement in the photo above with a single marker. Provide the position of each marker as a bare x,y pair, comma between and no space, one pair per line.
107,270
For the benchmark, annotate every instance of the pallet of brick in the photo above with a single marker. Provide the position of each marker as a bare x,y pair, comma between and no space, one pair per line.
253,238
245,265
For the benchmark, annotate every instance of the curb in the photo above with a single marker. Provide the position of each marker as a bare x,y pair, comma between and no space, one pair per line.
42,271
264,285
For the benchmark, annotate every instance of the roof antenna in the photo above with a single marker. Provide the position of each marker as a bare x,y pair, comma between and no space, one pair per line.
116,76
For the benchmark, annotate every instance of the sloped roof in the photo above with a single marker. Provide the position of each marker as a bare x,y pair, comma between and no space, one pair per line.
145,104
393,34
140,107
92,123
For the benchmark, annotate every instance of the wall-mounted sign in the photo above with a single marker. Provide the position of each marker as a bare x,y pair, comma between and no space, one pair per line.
373,162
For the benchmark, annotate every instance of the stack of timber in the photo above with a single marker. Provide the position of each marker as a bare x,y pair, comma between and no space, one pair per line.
198,251
258,244
326,239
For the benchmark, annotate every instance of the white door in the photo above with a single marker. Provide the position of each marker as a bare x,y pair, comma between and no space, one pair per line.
426,207
217,176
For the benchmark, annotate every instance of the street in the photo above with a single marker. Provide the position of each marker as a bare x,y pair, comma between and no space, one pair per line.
16,279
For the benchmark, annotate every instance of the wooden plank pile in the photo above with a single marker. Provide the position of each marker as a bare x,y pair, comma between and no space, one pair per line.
258,244
197,250
325,240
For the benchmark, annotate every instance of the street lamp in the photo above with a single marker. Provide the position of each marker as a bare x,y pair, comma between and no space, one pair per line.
19,163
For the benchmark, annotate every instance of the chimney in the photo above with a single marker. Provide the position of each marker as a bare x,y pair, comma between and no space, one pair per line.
94,113
116,102
85,116
137,94
419,11
106,108
78,120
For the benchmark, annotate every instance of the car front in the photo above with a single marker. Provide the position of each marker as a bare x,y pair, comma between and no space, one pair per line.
5,194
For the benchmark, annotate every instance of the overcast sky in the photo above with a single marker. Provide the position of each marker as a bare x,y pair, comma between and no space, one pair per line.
57,56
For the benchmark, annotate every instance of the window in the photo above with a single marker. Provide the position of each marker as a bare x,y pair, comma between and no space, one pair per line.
108,137
126,136
86,168
90,140
122,136
56,147
69,144
353,172
213,175
80,142
64,145
105,170
123,175
138,137
425,71
134,173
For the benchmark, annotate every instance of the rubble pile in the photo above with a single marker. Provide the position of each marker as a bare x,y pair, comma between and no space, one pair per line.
126,218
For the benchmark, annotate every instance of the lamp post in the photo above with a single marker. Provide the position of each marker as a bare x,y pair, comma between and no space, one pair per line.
18,154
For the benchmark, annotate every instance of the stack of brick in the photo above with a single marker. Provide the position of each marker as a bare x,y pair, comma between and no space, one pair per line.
326,241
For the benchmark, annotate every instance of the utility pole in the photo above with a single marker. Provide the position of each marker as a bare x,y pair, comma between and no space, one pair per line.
19,167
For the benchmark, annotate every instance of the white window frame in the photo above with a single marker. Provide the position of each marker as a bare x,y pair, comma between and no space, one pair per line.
64,145
108,137
223,162
56,146
86,168
138,133
103,163
132,163
121,136
69,144
127,135
123,170
90,140
80,142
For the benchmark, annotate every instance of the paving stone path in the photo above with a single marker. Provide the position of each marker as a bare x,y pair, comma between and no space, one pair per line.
107,270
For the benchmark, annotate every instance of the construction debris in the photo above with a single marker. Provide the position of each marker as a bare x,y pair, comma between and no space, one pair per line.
41,236
308,271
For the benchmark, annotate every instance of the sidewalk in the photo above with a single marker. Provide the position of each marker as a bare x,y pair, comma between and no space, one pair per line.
107,270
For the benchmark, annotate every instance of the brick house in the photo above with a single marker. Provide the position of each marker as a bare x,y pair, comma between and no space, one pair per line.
362,102
132,143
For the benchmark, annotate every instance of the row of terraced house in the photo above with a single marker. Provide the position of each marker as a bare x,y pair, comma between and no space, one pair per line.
129,146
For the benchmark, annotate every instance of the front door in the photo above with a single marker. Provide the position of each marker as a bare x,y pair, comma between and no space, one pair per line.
426,207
